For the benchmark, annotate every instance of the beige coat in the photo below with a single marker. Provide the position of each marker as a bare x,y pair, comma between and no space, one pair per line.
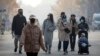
32,38
62,35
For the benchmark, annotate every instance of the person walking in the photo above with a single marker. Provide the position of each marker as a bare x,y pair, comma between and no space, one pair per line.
63,33
74,30
63,16
48,29
19,21
31,38
83,27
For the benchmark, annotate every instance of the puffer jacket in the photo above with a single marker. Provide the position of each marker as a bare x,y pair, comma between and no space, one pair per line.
32,38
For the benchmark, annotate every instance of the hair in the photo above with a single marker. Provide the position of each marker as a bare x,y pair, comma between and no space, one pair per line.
62,13
20,9
83,18
64,16
73,21
51,17
73,15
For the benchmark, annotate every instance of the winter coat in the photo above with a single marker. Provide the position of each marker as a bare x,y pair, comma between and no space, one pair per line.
83,27
62,35
48,29
31,38
18,24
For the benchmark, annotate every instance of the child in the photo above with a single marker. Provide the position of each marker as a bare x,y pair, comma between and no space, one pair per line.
83,44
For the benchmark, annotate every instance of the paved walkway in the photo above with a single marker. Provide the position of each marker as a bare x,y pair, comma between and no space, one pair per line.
6,46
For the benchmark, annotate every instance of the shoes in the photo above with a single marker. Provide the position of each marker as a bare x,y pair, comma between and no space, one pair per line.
20,52
15,50
49,52
72,50
65,53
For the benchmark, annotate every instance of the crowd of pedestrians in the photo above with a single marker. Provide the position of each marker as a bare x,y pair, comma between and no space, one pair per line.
29,34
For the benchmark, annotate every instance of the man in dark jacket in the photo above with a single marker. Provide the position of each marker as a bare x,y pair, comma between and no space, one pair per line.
73,34
17,25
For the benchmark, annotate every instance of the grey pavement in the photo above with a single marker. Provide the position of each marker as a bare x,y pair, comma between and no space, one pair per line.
6,46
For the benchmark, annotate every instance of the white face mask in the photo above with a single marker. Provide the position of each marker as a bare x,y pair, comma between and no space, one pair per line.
48,17
82,21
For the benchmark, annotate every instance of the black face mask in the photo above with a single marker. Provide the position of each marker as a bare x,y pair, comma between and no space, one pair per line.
20,13
32,21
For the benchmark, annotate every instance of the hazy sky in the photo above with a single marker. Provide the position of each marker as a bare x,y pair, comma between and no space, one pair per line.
40,8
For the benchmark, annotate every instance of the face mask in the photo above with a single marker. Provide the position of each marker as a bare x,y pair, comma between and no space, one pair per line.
32,21
82,21
63,16
48,17
21,13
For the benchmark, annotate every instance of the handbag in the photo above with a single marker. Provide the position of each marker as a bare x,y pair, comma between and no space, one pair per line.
66,29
